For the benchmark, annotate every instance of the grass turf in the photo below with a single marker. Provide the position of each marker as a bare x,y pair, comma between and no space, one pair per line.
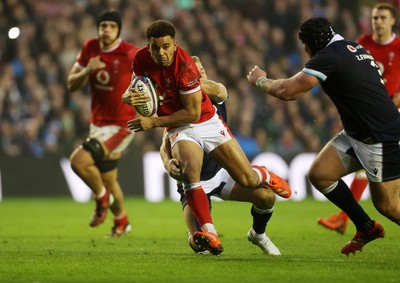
49,240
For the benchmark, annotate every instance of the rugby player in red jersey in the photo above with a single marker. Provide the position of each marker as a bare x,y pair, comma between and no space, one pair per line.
217,183
193,126
384,46
105,63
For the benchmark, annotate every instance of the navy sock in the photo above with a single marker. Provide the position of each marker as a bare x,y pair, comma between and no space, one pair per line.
342,197
260,220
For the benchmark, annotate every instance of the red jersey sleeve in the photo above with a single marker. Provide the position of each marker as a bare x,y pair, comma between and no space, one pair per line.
84,55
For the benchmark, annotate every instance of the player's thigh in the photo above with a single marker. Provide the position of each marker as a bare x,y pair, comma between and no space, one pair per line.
231,156
327,167
190,157
81,158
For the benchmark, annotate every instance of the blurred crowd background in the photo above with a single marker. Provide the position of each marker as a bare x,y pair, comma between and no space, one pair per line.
40,117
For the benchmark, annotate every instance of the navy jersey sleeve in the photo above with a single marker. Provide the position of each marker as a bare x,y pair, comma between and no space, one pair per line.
322,65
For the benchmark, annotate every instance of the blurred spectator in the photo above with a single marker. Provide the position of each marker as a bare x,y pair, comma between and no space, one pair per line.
247,140
288,146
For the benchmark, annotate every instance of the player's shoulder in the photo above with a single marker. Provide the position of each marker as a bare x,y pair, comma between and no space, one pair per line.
128,45
92,42
397,40
364,38
129,49
182,54
184,61
143,50
143,54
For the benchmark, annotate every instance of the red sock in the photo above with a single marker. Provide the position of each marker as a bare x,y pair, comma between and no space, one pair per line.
358,186
198,203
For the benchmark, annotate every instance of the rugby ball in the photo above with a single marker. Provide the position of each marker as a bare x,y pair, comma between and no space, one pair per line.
144,84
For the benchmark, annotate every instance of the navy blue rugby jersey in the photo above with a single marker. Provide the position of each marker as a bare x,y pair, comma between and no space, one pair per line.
210,166
352,80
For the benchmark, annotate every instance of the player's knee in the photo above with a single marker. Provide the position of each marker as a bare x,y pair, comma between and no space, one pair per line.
266,200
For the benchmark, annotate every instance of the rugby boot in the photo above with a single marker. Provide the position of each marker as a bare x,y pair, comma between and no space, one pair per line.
208,241
334,222
121,227
100,212
278,185
362,238
263,242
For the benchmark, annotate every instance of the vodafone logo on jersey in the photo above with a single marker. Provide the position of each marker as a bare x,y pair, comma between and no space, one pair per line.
351,48
103,77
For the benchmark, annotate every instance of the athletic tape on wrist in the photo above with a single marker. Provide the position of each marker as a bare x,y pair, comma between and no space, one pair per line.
260,81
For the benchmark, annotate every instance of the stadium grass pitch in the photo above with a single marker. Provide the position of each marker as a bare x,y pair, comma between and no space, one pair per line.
45,240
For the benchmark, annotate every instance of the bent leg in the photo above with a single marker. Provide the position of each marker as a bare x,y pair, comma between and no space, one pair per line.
325,174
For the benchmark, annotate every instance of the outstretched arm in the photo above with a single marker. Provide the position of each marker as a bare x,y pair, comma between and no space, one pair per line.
284,89
216,91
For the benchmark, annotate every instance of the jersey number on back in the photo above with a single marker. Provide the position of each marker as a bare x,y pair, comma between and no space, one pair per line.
373,64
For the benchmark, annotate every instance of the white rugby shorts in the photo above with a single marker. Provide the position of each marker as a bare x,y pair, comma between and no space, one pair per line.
207,135
381,161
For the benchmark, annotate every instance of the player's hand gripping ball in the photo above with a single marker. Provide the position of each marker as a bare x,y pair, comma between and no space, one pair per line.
144,84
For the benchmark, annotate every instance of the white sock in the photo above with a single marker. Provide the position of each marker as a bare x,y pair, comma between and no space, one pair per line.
102,193
260,177
263,211
120,216
258,236
208,227
329,189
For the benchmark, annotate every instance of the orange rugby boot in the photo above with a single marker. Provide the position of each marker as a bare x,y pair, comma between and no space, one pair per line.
334,222
208,241
278,185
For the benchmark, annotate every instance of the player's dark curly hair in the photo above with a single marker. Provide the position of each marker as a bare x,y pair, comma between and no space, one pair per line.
316,33
160,28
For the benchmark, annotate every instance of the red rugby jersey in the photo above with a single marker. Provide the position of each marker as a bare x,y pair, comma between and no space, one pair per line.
180,78
387,56
107,85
